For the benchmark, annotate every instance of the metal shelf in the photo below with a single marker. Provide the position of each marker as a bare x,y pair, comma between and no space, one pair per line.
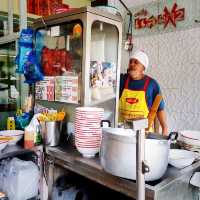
97,102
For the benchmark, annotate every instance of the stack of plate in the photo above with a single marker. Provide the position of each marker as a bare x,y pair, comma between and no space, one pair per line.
190,140
88,132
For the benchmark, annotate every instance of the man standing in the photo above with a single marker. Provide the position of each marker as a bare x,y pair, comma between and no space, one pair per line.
138,91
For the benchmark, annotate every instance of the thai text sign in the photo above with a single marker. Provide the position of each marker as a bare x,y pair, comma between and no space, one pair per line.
168,16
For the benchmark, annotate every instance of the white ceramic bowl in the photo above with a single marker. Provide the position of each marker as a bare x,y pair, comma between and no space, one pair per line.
190,137
89,110
3,145
180,158
17,135
190,134
87,152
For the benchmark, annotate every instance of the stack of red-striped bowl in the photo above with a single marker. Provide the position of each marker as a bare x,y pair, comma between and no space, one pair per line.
88,132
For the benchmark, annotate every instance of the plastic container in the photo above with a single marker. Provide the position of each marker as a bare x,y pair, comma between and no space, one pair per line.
29,136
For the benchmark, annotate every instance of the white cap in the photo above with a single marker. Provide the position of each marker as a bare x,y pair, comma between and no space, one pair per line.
142,57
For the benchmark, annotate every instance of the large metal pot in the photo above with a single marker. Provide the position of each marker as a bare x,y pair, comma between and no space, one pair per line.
118,154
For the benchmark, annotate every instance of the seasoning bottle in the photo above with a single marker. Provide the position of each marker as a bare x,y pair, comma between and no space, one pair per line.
29,137
11,123
38,136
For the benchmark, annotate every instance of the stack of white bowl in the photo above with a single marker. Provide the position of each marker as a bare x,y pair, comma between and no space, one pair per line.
88,132
190,140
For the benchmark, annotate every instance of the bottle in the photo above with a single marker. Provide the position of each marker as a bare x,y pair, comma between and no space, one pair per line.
38,136
29,137
11,123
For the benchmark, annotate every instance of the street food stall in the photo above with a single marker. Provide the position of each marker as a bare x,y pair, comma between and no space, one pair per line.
70,125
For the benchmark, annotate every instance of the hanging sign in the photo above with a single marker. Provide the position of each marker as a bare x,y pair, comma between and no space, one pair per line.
66,89
168,16
44,90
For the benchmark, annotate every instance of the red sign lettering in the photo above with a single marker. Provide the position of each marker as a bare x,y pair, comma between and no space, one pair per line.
165,18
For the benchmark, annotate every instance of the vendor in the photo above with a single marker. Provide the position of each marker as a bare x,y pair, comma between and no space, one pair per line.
138,91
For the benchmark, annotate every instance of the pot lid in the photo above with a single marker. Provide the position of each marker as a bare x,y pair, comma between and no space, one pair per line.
120,132
127,135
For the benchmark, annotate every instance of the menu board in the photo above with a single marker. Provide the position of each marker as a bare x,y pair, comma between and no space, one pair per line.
44,90
66,89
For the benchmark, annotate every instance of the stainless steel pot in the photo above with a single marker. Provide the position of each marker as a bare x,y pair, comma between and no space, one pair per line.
118,154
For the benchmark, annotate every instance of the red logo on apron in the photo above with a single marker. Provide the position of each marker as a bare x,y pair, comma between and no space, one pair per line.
132,100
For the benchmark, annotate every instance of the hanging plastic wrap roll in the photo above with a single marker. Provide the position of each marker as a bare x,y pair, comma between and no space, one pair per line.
25,47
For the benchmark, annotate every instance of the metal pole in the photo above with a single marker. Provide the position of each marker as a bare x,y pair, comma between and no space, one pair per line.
23,25
139,126
10,17
23,14
140,155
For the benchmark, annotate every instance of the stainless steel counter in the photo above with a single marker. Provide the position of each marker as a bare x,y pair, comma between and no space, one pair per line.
173,186
12,151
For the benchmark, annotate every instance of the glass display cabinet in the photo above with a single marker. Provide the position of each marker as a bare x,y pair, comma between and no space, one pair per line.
81,52
12,89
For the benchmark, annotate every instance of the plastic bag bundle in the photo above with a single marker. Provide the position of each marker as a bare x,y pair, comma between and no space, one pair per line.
39,44
22,120
55,62
3,173
25,47
71,193
15,175
65,188
32,69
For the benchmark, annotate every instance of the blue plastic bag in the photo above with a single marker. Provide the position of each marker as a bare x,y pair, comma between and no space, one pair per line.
25,47
22,120
39,44
32,69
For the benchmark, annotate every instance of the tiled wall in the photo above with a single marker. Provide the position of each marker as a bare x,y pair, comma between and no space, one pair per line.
175,64
174,56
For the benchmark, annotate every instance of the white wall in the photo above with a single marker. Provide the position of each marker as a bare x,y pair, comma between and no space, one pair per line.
175,63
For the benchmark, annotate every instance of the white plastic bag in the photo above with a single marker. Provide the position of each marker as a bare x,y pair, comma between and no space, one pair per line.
22,180
3,173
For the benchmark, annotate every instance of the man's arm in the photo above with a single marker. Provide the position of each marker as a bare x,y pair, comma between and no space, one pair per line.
163,121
